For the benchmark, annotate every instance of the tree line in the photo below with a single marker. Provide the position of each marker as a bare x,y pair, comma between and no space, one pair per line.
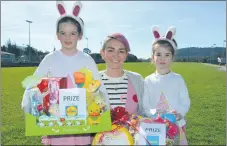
200,54
37,55
20,51
190,54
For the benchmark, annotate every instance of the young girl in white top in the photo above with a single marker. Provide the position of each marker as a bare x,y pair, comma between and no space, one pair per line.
166,90
66,60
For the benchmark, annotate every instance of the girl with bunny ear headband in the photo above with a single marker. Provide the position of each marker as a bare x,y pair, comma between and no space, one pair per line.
168,39
64,62
165,90
70,27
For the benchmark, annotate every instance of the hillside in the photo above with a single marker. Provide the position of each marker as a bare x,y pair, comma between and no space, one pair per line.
201,52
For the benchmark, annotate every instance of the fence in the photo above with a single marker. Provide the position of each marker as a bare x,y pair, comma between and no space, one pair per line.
11,64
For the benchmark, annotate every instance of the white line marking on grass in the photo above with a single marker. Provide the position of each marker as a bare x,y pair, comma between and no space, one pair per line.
222,67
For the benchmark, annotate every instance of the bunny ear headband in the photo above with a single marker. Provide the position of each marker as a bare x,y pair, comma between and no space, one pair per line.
75,12
168,37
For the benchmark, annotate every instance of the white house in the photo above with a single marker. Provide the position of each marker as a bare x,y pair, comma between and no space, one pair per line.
7,57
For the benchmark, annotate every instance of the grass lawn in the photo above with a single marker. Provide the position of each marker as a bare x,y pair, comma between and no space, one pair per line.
206,120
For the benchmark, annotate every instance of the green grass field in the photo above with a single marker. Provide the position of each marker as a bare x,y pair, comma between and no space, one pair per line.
206,120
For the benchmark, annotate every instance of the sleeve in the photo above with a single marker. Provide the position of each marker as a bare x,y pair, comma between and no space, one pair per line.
140,107
43,67
147,103
25,104
184,100
41,71
96,76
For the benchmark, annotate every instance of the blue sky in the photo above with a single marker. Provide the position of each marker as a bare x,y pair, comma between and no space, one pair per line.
198,23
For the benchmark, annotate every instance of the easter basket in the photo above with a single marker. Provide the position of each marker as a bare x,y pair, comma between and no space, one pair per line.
127,129
69,105
119,134
161,129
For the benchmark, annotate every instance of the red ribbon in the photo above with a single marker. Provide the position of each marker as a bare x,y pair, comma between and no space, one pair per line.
112,131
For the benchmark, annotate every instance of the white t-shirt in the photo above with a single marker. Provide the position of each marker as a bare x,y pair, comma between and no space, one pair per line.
219,59
116,88
61,65
172,86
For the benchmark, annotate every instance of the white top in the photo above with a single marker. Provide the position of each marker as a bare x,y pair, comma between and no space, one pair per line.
174,89
219,59
60,65
116,88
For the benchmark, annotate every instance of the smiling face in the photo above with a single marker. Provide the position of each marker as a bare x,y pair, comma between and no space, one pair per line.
114,54
68,35
162,56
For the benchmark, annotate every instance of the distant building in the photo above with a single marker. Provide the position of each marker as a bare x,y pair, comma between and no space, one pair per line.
7,57
223,60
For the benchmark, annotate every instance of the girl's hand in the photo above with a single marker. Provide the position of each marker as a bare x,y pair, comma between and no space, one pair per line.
178,115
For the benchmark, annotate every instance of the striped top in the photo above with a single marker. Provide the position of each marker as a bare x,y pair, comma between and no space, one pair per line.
116,88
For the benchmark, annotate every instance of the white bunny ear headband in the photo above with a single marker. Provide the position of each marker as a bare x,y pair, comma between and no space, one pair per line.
168,37
75,12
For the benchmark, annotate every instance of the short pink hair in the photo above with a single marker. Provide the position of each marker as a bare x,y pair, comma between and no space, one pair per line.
118,36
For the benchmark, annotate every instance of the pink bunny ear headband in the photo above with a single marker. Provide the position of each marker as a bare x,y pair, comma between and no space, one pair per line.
168,37
75,13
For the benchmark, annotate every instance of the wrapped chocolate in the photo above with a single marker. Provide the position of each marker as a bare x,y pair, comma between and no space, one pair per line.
49,88
36,102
